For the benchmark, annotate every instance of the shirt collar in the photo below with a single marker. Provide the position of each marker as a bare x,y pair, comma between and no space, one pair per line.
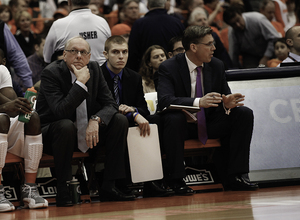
112,75
295,56
190,64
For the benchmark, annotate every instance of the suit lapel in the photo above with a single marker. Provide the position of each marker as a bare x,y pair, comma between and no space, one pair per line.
207,73
185,74
125,85
89,85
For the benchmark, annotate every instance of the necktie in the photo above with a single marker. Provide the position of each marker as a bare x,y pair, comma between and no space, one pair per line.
202,133
81,123
116,89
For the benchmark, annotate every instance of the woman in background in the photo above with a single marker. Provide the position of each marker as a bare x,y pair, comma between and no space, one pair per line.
24,34
151,60
6,16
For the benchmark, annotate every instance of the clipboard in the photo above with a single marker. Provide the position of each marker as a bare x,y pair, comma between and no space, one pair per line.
144,155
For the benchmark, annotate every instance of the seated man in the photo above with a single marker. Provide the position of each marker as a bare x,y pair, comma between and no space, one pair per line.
175,46
12,140
78,110
196,78
126,87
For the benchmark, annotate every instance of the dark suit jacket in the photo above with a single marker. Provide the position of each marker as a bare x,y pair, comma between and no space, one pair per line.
58,97
174,83
132,89
156,27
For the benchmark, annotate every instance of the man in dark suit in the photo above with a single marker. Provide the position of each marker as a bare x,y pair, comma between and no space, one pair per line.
129,95
75,87
180,83
156,27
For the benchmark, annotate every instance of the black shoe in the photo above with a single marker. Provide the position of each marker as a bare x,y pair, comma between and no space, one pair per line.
63,199
154,189
180,188
114,194
240,183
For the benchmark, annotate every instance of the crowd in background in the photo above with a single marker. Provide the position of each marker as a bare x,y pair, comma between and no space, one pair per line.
30,20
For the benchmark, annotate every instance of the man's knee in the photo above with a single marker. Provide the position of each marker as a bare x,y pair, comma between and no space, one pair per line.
120,121
65,127
175,118
4,123
33,127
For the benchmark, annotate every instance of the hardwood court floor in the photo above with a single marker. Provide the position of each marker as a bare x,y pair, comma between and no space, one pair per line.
276,203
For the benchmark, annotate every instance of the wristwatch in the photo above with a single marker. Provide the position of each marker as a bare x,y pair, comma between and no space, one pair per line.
95,118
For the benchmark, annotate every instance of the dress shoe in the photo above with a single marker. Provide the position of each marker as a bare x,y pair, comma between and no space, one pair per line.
180,188
63,199
240,183
114,194
154,189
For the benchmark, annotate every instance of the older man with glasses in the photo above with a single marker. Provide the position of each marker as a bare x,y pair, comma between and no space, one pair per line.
77,111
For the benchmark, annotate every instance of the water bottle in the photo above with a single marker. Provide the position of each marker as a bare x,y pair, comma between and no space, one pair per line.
30,95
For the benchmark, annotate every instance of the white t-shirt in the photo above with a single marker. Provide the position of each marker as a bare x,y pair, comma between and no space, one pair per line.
5,77
93,28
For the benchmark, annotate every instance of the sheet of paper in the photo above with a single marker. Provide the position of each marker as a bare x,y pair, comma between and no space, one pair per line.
144,155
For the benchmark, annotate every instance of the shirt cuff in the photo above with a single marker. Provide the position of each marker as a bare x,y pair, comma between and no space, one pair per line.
196,102
82,85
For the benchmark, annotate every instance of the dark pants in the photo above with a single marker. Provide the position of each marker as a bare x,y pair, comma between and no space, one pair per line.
234,131
60,140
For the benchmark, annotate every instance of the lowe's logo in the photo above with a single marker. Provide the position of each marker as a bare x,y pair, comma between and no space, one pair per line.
196,177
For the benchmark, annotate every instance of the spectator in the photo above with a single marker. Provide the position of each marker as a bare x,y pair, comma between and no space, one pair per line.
267,8
131,12
6,16
60,13
291,6
281,13
63,4
94,9
24,34
215,11
122,30
22,140
245,4
293,42
15,58
175,46
251,36
36,60
156,28
281,51
21,5
151,60
199,17
80,21
73,102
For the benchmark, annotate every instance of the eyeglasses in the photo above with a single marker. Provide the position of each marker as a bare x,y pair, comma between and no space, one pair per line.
75,52
179,50
213,44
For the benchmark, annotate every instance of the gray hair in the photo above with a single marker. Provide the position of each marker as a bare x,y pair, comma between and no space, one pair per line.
156,4
193,35
127,2
195,12
76,37
80,2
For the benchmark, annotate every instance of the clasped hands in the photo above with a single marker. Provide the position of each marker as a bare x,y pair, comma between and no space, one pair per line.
212,99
